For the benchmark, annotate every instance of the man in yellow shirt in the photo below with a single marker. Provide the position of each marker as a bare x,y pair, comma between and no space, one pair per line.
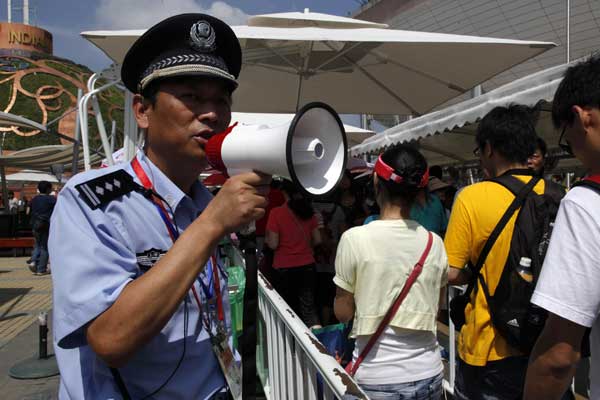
489,368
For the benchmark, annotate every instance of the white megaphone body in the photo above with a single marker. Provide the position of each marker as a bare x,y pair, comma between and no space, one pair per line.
311,151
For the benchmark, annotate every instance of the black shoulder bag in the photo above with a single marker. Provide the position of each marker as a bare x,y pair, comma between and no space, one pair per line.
459,303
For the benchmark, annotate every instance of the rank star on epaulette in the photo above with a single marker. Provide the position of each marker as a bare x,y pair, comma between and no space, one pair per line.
102,190
148,258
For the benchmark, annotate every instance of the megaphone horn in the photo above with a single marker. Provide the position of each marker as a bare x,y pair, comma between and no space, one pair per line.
311,150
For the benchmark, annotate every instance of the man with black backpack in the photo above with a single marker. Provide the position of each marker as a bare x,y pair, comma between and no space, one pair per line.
569,286
496,240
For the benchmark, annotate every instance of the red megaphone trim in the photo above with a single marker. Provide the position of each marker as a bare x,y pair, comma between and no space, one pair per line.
213,149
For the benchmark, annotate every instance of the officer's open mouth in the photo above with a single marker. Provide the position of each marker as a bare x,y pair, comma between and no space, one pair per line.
203,136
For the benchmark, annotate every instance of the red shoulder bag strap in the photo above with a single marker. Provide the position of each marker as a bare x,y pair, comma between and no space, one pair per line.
353,366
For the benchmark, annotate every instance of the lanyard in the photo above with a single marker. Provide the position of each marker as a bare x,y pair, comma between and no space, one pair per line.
174,234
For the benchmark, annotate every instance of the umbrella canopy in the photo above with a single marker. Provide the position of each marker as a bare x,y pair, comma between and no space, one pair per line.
354,69
447,136
43,157
310,19
354,134
28,175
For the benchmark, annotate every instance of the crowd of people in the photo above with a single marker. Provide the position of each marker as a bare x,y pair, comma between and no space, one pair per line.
140,309
374,235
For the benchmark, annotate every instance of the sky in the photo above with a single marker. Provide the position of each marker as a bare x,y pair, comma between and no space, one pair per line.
65,19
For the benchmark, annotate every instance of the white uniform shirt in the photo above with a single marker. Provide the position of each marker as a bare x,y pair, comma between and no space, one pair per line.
569,285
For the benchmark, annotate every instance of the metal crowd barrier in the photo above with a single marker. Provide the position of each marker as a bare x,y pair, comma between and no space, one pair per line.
291,362
297,365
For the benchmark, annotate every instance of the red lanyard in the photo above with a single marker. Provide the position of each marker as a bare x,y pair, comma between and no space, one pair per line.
174,234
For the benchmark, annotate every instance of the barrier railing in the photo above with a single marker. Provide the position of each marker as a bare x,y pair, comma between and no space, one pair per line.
291,362
449,382
297,364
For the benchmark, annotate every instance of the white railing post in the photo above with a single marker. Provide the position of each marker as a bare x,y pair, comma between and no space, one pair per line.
83,117
296,357
449,384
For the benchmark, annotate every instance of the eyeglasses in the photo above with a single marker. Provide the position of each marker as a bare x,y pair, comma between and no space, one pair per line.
476,151
563,143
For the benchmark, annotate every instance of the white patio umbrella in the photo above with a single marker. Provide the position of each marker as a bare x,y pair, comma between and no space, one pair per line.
7,119
28,175
355,69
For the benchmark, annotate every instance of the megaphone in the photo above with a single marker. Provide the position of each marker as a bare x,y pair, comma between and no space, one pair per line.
311,151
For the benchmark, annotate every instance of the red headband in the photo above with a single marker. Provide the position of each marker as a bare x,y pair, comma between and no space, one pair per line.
387,173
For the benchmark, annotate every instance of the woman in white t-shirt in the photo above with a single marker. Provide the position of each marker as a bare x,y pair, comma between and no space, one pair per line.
372,264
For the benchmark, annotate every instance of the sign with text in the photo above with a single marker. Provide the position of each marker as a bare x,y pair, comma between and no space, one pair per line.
25,37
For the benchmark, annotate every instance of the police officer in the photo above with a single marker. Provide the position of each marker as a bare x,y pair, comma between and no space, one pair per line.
138,290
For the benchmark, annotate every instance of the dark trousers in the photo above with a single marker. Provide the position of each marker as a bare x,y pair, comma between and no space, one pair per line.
297,287
40,233
497,380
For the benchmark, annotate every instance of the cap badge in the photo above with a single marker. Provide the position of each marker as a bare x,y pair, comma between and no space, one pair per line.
202,37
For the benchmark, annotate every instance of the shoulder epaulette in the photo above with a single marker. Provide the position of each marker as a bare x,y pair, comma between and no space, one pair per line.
102,190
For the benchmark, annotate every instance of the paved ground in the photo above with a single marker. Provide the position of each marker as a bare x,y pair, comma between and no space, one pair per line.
22,297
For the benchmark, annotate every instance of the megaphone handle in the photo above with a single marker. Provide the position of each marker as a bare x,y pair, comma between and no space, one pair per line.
248,229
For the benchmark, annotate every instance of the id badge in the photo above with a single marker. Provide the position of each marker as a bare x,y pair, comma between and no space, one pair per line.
231,369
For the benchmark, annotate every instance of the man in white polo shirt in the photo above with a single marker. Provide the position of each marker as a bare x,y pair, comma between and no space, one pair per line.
569,285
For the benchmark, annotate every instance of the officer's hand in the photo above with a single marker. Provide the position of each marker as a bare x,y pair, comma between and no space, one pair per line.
240,201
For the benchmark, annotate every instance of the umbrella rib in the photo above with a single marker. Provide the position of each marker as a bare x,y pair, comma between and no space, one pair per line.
335,57
383,87
442,152
281,56
450,85
267,66
378,83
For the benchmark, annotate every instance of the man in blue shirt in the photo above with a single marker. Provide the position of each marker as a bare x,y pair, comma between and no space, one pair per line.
134,306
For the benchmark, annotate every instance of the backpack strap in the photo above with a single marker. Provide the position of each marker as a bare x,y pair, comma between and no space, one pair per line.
521,195
353,366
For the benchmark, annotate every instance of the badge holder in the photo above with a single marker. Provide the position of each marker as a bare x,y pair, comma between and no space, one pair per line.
231,369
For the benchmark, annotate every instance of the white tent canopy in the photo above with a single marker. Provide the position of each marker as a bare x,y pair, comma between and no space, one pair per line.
29,175
448,136
43,157
355,70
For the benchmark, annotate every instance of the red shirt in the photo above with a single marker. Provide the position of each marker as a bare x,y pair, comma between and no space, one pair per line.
275,198
294,248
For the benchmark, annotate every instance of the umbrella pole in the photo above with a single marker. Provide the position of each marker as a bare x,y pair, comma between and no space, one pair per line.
300,79
4,188
3,177
248,337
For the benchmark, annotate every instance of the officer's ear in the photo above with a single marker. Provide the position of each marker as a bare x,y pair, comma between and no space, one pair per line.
141,107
